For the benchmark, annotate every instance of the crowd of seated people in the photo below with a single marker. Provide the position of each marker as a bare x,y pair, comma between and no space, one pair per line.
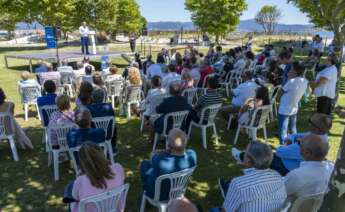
279,176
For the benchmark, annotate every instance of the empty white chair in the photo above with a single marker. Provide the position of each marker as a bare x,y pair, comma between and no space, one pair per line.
104,123
153,104
258,121
176,119
208,115
60,131
190,94
310,203
7,134
109,201
29,95
132,95
178,186
114,90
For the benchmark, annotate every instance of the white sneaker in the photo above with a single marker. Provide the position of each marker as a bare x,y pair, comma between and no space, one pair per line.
236,155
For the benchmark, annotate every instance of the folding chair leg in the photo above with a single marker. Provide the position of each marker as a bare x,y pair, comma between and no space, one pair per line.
56,165
113,101
13,148
237,134
190,130
155,142
38,113
253,132
204,139
142,120
215,132
143,204
110,152
229,122
162,208
128,111
265,133
26,111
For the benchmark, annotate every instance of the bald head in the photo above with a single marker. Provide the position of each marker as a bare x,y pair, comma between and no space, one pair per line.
181,205
177,141
313,148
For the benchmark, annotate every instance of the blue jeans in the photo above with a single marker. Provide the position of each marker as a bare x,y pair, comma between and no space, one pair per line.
286,123
85,45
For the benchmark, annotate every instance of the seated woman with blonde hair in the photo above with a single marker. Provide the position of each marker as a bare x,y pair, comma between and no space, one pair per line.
20,136
97,176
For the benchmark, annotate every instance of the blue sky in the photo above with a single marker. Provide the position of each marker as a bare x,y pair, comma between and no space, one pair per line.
173,10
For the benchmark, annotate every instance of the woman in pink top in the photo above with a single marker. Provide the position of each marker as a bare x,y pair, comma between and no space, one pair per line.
98,176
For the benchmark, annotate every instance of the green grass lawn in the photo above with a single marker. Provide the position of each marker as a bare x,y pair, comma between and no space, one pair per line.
28,185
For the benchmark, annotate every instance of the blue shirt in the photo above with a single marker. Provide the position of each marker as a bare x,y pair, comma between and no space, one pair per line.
102,110
75,137
165,163
48,99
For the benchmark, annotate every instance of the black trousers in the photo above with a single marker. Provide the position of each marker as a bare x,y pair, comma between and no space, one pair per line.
324,105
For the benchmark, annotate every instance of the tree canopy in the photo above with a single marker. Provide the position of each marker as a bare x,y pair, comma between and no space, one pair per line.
102,15
268,17
216,17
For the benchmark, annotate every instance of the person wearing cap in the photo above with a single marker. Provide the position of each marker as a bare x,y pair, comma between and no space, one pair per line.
312,177
173,159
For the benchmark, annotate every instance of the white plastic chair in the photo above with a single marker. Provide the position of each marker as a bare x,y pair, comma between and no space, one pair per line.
177,118
273,101
132,95
109,201
190,94
114,88
227,84
48,110
286,207
67,81
208,114
29,95
153,104
310,203
178,186
103,123
258,121
204,83
60,130
5,133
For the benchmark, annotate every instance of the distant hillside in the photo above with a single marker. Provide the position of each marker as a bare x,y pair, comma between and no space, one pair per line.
244,26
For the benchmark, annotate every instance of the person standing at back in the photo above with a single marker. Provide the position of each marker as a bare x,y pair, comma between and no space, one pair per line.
84,34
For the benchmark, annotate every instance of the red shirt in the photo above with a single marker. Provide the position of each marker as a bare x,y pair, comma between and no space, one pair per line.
178,69
206,70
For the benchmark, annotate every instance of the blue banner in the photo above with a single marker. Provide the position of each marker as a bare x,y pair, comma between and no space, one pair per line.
50,37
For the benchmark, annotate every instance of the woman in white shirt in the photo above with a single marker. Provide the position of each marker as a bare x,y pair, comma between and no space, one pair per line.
325,86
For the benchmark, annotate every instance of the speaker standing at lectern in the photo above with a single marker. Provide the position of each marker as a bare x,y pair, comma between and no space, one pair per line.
84,34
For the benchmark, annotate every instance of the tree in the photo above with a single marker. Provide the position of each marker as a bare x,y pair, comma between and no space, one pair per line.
268,17
331,15
216,17
128,17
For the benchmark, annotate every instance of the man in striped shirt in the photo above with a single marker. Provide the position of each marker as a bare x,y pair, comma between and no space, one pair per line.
211,97
260,188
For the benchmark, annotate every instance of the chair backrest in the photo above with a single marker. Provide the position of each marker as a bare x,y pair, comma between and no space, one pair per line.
6,121
209,113
109,201
274,94
178,183
60,131
66,77
114,87
204,83
260,116
177,118
133,94
45,112
103,123
156,100
29,94
190,94
309,203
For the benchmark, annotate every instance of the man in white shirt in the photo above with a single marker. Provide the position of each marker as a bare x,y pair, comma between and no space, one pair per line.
84,35
313,175
260,188
325,86
170,77
293,91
